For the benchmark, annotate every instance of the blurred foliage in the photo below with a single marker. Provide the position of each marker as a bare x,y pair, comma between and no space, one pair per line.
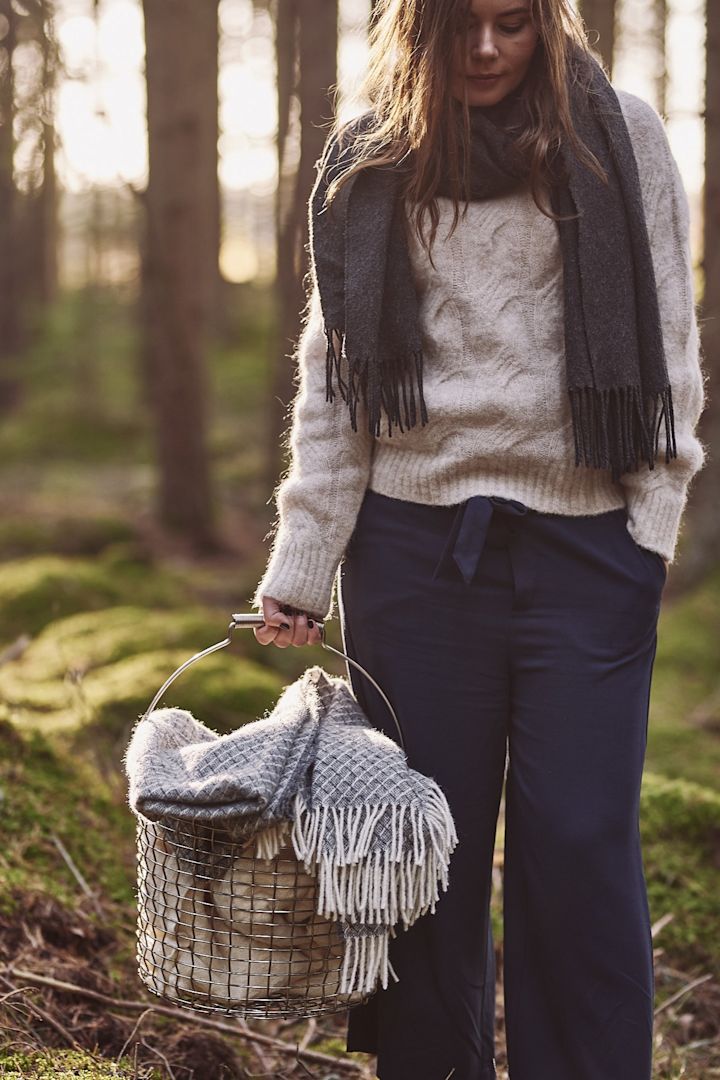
35,591
62,536
80,383
83,383
684,730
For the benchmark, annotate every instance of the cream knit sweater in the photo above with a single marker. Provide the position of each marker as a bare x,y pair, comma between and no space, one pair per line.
499,420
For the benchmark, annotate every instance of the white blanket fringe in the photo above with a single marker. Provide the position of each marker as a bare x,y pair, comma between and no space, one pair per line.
374,887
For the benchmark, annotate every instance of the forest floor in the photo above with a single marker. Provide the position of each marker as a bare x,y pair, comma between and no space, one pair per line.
97,607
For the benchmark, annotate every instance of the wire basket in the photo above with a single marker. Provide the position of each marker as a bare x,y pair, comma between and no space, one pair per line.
221,929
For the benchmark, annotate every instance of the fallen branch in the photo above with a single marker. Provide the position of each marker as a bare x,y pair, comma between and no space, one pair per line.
182,1014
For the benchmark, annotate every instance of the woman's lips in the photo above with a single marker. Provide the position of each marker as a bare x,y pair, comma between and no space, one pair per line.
483,78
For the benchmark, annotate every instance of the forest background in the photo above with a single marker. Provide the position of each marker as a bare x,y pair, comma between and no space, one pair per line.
155,164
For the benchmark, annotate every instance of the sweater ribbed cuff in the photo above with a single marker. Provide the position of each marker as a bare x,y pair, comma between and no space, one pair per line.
300,573
654,518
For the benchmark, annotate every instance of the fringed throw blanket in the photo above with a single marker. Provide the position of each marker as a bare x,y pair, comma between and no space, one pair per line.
378,834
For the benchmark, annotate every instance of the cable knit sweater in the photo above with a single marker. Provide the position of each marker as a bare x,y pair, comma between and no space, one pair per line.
499,422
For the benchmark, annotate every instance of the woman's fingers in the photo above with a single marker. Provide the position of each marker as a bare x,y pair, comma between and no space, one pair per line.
282,629
300,630
311,631
267,634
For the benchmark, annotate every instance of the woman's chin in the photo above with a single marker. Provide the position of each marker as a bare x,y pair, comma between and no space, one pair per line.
479,93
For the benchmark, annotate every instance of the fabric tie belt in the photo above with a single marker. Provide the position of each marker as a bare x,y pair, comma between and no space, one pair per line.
469,531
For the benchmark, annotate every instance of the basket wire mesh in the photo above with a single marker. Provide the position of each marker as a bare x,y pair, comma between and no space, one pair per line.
221,929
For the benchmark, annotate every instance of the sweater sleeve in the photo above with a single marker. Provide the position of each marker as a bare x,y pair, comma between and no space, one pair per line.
656,498
318,499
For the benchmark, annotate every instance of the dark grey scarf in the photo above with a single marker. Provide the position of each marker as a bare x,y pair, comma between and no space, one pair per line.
617,377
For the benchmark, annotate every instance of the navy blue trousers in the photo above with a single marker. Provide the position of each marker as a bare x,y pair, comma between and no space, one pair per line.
505,637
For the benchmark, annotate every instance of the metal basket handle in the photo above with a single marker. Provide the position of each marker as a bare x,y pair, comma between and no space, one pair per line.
258,620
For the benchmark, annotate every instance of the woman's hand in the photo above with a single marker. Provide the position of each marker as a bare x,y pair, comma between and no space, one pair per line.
282,629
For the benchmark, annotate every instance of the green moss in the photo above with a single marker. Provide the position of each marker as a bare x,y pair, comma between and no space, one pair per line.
222,690
63,1064
685,702
680,809
335,1044
35,591
46,793
67,649
88,676
680,828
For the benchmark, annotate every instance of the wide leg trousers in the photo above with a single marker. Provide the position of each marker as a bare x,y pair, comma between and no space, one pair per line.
505,637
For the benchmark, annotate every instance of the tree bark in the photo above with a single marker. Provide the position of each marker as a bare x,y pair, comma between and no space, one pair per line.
661,71
306,44
703,528
9,319
181,252
38,223
599,17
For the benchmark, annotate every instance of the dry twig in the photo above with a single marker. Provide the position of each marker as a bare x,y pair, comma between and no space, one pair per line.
72,867
182,1014
45,1016
681,992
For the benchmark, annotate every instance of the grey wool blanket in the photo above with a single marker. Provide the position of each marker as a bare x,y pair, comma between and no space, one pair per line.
378,834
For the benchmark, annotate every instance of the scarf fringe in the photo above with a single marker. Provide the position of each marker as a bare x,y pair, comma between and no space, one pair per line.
374,890
612,427
400,377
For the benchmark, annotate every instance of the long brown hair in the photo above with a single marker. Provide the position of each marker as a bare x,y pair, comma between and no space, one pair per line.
412,45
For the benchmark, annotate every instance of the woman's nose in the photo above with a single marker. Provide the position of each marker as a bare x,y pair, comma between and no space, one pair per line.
482,45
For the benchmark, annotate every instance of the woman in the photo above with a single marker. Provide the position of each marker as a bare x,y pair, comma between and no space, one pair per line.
503,542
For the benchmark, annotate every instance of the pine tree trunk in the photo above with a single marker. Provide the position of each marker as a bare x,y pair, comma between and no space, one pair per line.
661,71
306,48
599,17
700,547
9,319
181,252
47,266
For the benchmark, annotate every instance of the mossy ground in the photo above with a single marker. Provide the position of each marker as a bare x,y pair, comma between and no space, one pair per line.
47,794
64,1064
684,732
680,827
37,590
